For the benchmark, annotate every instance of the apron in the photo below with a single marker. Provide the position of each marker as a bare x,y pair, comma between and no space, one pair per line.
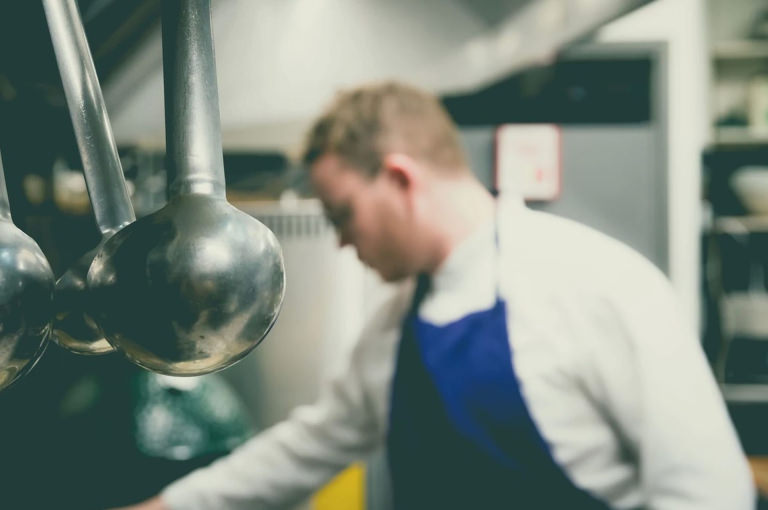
460,434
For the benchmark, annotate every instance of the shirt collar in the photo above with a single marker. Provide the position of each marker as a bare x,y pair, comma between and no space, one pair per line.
478,249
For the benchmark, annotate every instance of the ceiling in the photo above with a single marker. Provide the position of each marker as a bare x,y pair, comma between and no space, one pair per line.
278,61
492,12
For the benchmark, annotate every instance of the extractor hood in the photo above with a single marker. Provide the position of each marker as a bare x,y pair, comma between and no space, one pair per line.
279,61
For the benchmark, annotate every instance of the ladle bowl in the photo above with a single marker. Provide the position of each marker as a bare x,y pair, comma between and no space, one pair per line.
26,303
189,289
74,329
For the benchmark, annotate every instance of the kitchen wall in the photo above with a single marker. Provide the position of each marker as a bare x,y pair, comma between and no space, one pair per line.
614,179
687,82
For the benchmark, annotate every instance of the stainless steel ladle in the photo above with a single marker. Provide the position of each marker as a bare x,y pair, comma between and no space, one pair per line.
195,286
26,297
74,328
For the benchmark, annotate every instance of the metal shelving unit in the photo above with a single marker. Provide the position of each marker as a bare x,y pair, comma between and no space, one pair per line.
745,393
740,224
739,136
740,50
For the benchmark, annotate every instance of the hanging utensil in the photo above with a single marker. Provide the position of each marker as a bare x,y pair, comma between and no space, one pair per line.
74,329
195,286
26,297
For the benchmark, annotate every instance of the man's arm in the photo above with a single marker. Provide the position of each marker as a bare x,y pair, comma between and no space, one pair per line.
284,464
660,392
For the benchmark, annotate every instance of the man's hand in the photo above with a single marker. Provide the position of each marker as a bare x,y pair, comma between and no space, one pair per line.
155,503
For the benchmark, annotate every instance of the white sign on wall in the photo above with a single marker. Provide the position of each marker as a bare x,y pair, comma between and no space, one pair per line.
528,160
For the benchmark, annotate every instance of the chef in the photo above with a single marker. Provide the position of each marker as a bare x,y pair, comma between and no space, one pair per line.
528,361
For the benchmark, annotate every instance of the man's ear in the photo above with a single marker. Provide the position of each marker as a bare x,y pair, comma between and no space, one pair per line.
402,170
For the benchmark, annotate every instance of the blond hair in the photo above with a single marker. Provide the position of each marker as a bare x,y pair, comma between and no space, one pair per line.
364,123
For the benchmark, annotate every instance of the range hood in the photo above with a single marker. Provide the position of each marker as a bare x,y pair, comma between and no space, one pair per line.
280,61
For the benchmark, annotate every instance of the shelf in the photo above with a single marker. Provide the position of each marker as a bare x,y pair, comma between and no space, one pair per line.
739,136
745,393
740,224
740,50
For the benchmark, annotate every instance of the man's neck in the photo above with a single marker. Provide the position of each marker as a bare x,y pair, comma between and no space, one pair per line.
459,208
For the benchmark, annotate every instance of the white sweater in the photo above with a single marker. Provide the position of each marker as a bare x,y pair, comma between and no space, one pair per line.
615,381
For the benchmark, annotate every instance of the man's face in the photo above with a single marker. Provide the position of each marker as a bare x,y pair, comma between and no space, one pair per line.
368,213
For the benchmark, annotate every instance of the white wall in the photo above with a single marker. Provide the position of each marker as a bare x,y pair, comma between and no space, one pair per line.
682,24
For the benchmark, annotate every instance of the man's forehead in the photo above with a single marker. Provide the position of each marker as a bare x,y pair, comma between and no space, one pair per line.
330,161
331,174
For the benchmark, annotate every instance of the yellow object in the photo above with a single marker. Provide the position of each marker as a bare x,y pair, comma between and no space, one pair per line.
345,492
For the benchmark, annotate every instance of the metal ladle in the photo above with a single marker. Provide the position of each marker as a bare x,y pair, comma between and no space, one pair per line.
195,286
26,297
74,329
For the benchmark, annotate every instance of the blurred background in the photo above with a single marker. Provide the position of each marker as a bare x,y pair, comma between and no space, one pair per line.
645,119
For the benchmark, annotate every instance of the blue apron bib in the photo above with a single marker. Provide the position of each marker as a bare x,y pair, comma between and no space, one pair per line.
460,434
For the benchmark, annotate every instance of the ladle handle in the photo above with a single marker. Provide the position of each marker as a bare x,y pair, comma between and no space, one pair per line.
101,164
5,208
192,123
